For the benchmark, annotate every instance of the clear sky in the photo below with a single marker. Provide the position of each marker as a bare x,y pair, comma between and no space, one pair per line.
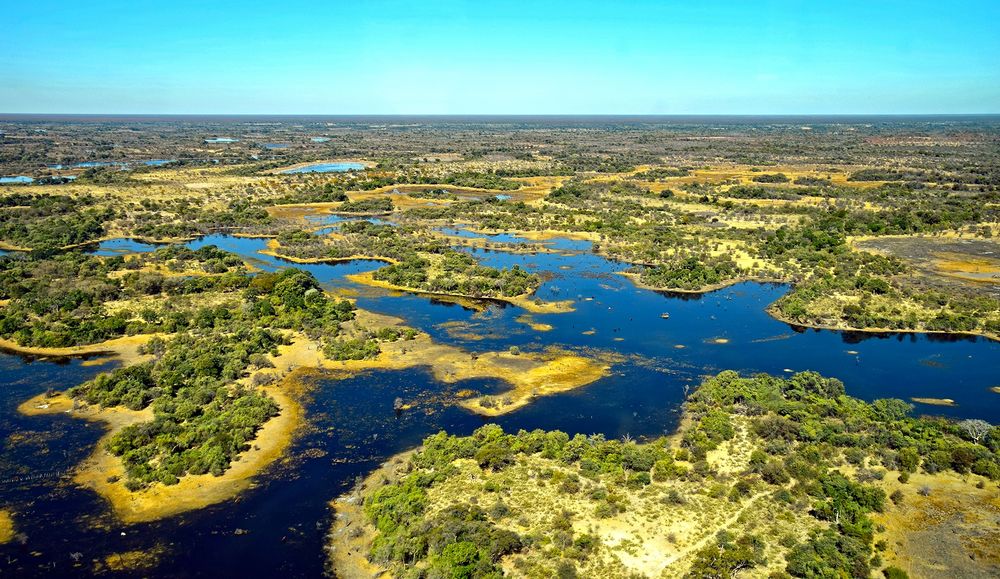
469,57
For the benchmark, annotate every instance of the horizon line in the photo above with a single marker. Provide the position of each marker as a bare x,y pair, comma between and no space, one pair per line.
375,114
579,119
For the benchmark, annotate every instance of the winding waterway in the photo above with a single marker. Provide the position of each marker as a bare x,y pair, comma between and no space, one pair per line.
278,527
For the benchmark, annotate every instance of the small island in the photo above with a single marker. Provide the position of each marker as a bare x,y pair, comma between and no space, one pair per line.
764,474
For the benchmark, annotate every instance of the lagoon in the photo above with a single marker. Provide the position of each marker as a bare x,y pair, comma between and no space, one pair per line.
326,168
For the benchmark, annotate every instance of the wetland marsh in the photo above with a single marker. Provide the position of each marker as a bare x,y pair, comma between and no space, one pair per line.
337,319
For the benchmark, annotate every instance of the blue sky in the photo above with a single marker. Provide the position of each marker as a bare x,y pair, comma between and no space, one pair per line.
468,57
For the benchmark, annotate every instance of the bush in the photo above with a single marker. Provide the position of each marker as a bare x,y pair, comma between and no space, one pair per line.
771,178
495,456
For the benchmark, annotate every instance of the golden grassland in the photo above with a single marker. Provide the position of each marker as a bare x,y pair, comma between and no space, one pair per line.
978,269
9,247
539,235
969,265
129,561
650,537
531,375
945,526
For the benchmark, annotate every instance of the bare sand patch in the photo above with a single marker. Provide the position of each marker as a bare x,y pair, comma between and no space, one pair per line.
933,401
126,348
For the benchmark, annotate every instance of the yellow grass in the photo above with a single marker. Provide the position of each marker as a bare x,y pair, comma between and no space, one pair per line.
530,375
6,526
951,531
532,323
129,560
980,269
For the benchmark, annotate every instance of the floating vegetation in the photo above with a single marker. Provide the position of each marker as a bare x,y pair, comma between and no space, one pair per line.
7,532
529,320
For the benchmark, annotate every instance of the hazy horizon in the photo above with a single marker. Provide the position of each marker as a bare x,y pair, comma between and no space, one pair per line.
815,117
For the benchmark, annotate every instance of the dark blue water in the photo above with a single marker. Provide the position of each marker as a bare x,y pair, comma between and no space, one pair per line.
614,315
353,427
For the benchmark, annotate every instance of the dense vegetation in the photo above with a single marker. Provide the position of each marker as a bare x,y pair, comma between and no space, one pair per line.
46,222
691,273
804,429
455,272
205,412
200,421
64,300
